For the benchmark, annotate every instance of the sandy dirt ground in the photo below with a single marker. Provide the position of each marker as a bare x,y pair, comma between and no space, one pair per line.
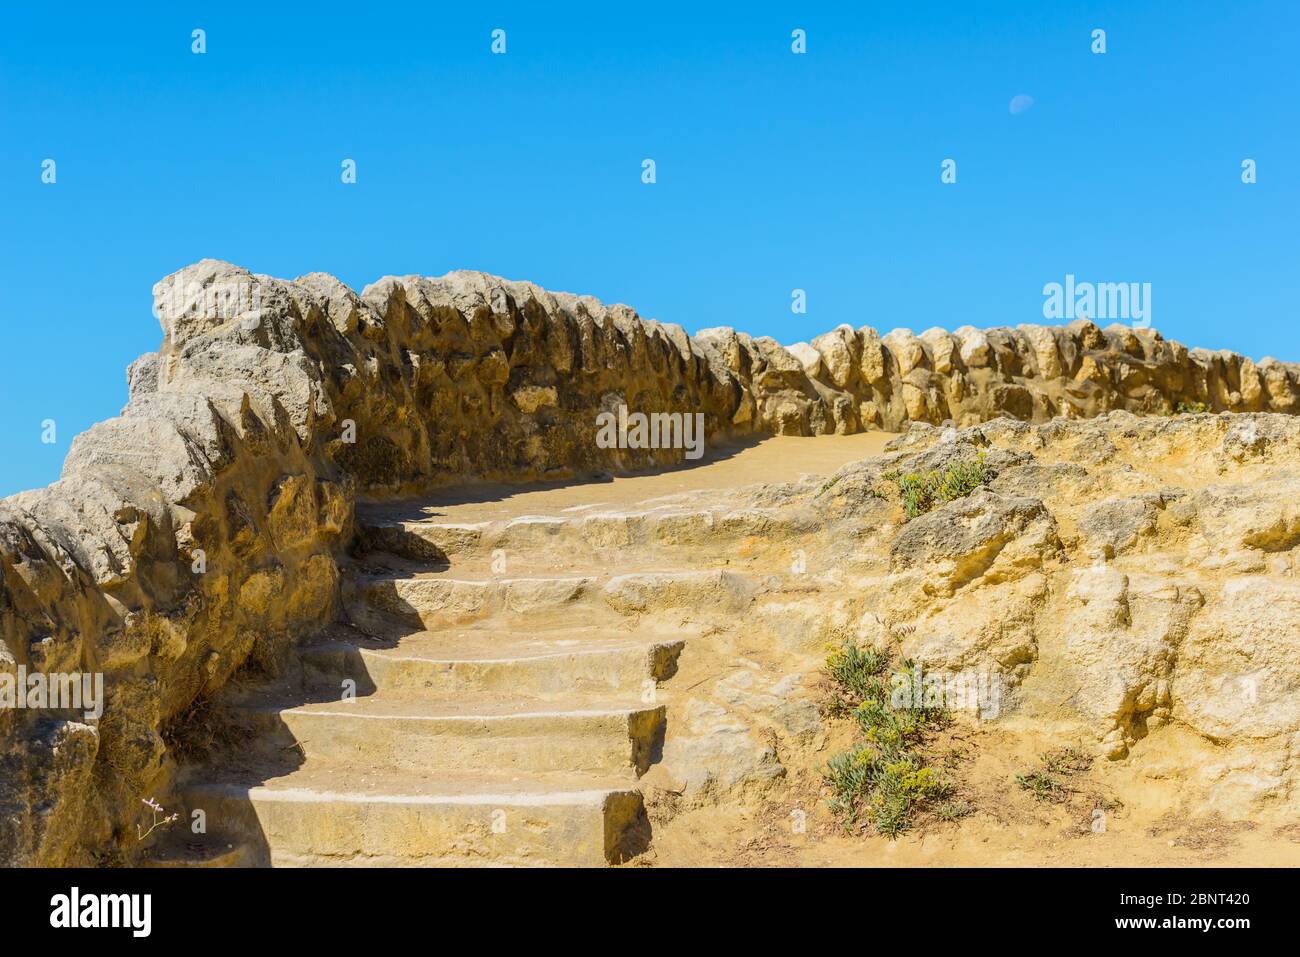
1086,827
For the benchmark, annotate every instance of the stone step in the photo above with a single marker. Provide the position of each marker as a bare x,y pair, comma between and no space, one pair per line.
323,815
440,600
468,661
715,590
186,850
591,734
586,536
435,601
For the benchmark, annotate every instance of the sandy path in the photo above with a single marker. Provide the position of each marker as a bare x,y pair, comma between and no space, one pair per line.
778,459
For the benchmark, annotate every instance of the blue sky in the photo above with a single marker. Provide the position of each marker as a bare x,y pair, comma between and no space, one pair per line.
774,171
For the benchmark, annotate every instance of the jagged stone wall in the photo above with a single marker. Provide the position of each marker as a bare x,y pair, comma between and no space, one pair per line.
182,540
471,375
848,379
201,529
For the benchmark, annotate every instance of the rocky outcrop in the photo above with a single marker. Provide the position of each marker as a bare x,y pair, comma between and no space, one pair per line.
199,532
1130,579
185,539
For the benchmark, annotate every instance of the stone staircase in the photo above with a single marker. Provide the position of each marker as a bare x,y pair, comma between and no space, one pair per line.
497,691
498,720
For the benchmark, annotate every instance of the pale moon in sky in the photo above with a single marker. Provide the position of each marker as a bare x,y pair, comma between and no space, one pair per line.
1021,102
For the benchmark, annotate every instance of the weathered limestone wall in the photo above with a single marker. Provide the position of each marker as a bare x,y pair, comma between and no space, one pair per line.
201,529
184,538
850,379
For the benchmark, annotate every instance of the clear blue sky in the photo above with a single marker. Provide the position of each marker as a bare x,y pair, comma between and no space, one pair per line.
775,171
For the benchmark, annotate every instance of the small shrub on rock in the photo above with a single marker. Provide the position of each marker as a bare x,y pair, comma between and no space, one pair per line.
886,780
1045,783
922,492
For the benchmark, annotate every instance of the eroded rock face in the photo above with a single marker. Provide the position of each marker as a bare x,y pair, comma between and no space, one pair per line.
1146,585
200,529
1126,584
177,544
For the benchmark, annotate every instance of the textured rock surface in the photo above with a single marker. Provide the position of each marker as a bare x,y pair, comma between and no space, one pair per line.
1124,575
200,530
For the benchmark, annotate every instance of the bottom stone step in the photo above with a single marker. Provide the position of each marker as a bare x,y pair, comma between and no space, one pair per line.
198,850
328,817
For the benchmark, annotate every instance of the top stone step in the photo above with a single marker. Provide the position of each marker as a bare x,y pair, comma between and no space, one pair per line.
738,491
436,543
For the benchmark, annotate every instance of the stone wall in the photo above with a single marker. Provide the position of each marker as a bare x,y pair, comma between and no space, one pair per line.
851,379
200,531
